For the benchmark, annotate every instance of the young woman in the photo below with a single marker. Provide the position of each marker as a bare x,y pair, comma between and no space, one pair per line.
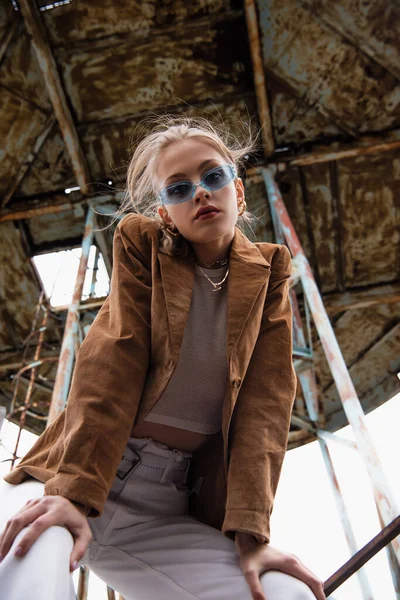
178,414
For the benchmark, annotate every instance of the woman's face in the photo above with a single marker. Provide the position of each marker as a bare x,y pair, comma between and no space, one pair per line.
189,160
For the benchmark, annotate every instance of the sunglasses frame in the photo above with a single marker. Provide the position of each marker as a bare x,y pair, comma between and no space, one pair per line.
194,186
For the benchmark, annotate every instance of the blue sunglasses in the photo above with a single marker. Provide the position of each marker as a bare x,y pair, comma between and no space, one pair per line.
182,191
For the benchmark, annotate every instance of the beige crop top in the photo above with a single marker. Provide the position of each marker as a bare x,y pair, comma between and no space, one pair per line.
193,397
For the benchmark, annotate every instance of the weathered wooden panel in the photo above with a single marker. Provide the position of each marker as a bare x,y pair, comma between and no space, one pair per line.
326,70
19,128
125,78
323,223
295,121
79,21
370,218
19,72
19,290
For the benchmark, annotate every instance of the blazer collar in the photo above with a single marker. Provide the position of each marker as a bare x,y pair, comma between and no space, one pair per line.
248,273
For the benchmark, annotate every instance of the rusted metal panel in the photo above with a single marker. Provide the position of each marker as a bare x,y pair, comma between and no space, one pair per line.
125,78
373,26
79,21
19,128
295,121
357,330
54,227
108,144
370,219
19,291
320,206
326,70
19,72
52,169
374,376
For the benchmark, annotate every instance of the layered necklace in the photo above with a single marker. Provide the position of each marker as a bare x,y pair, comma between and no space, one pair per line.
219,263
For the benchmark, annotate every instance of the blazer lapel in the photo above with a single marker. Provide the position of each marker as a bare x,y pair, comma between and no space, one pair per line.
248,273
177,277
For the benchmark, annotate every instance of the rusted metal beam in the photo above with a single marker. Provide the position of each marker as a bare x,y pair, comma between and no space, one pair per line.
351,405
31,16
260,83
55,204
329,155
43,135
381,294
366,591
64,370
384,537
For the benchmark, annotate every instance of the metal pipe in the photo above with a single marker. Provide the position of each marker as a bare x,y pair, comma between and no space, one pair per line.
323,157
259,77
64,370
347,393
384,537
366,591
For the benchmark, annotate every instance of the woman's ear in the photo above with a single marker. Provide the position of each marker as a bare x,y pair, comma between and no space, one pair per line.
239,189
163,213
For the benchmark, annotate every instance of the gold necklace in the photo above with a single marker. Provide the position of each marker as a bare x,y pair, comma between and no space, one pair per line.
217,286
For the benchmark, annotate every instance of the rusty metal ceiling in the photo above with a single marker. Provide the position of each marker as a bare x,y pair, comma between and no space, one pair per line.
331,81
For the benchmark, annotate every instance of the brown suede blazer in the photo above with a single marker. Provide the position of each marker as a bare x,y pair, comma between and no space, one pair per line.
128,357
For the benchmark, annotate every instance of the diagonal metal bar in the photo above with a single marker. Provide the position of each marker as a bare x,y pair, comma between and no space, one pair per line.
31,16
352,407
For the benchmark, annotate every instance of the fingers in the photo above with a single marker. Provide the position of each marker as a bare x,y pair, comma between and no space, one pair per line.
293,566
23,518
254,584
79,549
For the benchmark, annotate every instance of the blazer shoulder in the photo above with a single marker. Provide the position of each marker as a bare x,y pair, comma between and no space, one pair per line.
278,255
138,231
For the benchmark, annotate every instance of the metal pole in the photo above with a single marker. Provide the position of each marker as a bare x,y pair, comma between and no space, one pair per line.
381,540
366,591
64,371
347,393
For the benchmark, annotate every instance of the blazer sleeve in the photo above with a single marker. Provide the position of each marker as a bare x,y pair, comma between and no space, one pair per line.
261,418
107,383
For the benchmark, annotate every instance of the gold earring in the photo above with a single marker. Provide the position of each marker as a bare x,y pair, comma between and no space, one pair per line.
243,208
172,232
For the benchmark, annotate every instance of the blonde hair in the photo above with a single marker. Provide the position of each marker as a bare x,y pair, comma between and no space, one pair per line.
141,193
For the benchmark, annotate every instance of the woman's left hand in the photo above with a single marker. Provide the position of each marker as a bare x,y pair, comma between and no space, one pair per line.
256,559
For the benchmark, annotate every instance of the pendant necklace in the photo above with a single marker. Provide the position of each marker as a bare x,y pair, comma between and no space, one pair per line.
216,286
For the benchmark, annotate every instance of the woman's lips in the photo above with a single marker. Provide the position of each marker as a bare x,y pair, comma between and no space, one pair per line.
207,215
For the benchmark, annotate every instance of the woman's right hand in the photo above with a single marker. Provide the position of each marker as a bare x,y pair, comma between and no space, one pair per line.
40,514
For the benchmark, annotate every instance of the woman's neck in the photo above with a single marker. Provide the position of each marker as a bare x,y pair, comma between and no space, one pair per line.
211,255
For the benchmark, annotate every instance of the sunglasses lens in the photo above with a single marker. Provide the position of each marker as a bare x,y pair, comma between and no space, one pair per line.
174,194
218,178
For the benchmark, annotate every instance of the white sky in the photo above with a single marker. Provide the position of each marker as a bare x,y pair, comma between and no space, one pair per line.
305,521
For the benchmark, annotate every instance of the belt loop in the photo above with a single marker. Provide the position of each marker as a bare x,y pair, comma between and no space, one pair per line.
168,468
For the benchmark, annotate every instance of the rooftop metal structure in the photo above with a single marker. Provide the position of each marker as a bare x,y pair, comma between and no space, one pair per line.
322,79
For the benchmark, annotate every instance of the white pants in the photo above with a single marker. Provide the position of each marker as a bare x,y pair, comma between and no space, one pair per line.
144,546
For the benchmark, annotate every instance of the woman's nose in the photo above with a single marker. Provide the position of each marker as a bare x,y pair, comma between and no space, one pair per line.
201,194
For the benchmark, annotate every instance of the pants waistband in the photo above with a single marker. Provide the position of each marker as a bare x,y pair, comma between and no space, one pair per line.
154,461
